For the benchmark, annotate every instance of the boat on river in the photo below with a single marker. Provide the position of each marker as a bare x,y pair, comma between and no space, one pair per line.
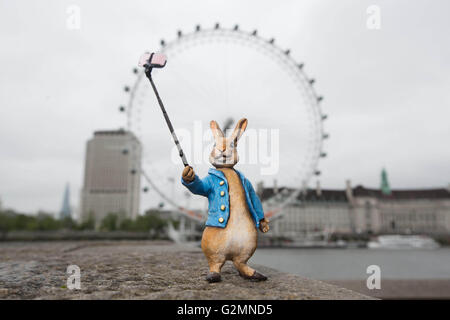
402,242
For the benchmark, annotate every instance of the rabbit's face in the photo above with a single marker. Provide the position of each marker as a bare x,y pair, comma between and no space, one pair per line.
224,153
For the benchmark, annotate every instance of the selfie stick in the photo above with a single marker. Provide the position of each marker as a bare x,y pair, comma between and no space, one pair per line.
157,60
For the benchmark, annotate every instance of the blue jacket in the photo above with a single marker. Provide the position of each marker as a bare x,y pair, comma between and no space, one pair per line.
219,202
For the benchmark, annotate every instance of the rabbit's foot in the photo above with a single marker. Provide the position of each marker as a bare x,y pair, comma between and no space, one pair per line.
213,277
256,276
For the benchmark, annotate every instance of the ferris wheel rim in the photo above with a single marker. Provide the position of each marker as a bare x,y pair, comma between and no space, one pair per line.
268,46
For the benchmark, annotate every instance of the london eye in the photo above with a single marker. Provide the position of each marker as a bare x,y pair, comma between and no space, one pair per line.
225,74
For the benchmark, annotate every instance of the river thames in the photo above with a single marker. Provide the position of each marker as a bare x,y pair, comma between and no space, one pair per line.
343,264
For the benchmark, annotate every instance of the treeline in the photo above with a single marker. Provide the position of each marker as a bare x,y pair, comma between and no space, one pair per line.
149,222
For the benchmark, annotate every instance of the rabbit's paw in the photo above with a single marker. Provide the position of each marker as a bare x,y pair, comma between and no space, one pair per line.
213,277
188,174
264,225
258,276
255,277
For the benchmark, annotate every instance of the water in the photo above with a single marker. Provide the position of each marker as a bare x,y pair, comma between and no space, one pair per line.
346,264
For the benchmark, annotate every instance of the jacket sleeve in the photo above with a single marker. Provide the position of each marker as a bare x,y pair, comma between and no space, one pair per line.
198,186
255,201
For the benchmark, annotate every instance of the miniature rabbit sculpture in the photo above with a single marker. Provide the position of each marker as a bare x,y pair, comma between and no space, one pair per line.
235,211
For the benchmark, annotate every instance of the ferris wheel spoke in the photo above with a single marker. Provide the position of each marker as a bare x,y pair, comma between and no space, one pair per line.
237,82
197,93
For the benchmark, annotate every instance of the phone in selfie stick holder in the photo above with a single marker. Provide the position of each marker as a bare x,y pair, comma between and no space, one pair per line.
158,60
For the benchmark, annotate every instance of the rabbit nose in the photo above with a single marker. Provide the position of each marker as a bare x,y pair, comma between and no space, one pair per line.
221,147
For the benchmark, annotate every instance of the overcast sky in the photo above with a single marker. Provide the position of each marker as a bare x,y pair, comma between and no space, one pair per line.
386,91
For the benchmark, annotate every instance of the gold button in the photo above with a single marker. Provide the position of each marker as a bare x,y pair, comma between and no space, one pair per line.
221,182
220,219
222,193
222,207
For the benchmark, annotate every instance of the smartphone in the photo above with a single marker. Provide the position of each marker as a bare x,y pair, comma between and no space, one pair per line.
154,60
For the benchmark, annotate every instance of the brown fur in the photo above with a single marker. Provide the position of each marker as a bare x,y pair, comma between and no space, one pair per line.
237,241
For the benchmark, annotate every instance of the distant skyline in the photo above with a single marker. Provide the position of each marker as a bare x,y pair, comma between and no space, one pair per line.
66,208
386,91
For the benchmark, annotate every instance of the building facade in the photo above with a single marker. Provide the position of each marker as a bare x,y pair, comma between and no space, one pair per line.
424,211
111,176
362,210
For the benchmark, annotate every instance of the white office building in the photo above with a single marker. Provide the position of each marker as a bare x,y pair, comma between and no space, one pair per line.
111,176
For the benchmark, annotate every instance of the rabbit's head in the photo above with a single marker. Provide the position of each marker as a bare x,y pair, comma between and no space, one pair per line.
224,153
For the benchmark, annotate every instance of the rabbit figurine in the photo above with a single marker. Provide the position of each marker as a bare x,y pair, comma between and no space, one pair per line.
235,211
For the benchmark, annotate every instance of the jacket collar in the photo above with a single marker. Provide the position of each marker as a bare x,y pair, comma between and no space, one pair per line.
216,172
220,174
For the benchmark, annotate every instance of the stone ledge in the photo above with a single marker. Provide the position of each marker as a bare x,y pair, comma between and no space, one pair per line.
140,270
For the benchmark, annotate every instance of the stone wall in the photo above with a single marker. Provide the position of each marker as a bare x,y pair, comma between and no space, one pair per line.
139,270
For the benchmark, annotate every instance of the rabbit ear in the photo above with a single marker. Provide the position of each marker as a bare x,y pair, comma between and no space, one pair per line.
239,130
215,129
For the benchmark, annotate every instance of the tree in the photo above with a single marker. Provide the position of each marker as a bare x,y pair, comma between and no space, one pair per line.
88,224
127,225
68,223
46,222
109,222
